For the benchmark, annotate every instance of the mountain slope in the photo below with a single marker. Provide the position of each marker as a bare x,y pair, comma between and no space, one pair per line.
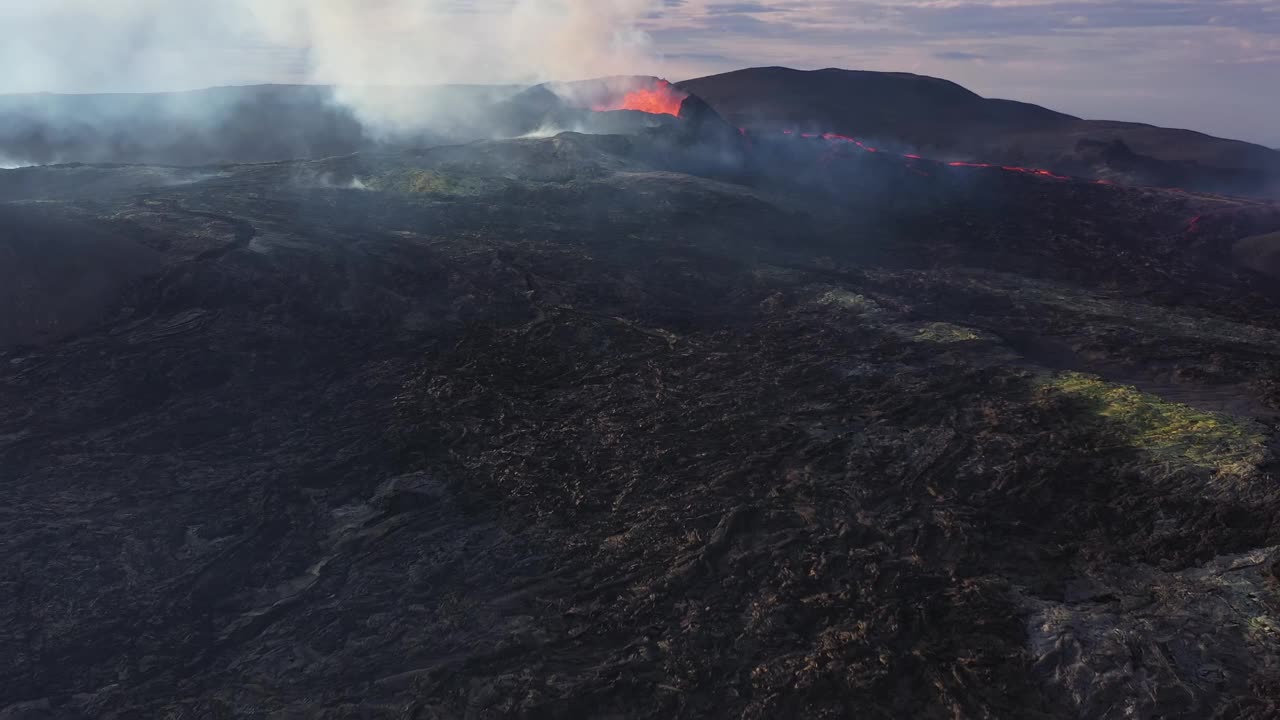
942,119
870,103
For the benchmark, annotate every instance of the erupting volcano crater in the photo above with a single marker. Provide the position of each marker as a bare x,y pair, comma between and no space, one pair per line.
643,94
662,98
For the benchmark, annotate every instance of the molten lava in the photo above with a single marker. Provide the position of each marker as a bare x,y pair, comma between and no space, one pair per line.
919,165
660,99
913,160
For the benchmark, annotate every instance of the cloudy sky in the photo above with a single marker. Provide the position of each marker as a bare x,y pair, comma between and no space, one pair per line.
1211,65
1207,64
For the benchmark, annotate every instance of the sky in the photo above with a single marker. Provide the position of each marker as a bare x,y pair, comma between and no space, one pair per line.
1209,65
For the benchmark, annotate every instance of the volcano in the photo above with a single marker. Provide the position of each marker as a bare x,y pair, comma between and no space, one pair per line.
616,105
906,113
703,419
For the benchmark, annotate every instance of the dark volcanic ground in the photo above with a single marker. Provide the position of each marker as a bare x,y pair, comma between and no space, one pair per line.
546,428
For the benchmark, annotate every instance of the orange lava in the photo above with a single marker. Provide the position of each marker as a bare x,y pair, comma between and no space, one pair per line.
1012,169
661,99
916,163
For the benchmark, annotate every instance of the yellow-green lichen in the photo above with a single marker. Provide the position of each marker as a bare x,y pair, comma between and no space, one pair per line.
850,301
1264,625
429,182
940,332
1172,433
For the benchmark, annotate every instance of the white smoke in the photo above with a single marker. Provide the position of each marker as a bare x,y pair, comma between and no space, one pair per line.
365,48
360,46
417,42
547,130
572,39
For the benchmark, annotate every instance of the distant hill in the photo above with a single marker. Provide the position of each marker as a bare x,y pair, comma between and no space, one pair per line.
943,119
271,123
936,118
258,123
217,125
914,108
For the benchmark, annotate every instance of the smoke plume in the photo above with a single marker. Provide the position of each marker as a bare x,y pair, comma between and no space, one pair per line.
379,56
151,45
362,49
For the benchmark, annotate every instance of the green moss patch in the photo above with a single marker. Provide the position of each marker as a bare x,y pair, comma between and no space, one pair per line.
1172,433
940,332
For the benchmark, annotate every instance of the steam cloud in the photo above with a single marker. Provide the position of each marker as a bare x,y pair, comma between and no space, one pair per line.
408,41
361,47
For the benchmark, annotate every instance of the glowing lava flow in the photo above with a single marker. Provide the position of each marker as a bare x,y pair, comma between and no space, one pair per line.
845,139
661,99
914,163
1011,168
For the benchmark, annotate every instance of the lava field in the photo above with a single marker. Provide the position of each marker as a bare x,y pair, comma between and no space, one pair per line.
734,424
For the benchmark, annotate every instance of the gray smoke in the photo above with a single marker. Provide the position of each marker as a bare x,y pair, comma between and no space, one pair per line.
162,45
385,61
362,49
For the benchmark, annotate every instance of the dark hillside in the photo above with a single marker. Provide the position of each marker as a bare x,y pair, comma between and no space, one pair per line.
941,119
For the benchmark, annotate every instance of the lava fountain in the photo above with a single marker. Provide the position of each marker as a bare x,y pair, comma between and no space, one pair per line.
662,98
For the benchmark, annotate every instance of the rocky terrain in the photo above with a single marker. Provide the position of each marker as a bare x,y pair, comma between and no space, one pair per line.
606,426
